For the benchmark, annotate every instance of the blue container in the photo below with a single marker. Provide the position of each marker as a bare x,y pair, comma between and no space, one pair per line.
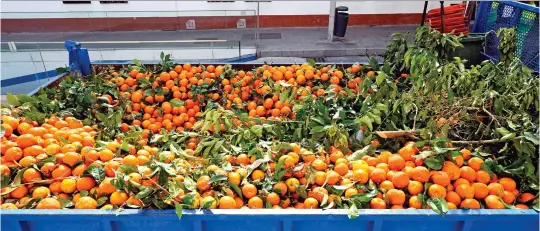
269,220
491,16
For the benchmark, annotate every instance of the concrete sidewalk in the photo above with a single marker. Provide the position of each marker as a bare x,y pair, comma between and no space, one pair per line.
274,42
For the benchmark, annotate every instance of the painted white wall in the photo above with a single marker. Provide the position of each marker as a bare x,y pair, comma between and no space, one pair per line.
57,9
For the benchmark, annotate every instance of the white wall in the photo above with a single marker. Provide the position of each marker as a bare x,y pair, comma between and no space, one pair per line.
57,9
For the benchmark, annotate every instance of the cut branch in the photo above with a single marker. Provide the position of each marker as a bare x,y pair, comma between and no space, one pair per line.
394,134
494,141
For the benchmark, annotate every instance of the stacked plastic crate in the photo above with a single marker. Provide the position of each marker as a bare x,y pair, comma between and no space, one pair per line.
453,19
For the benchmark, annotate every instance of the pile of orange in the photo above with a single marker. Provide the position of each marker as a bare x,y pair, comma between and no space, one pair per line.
47,163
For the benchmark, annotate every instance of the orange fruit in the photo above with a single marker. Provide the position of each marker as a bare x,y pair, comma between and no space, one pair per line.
396,162
493,202
453,197
41,192
86,203
227,202
495,189
465,191
255,203
31,175
49,203
249,190
415,187
377,203
481,190
475,163
395,196
118,198
507,183
436,190
482,177
377,175
467,173
85,183
452,170
400,180
440,178
68,185
311,203
273,198
525,197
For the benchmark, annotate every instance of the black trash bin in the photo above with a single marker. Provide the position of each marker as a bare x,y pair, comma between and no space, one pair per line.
340,21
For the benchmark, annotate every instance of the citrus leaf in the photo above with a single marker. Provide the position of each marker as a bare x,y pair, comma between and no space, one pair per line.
97,172
178,209
352,213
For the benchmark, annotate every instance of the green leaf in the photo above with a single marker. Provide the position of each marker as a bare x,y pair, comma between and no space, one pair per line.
178,209
532,137
236,189
127,169
450,98
65,203
366,197
311,62
217,178
190,184
503,131
352,213
5,180
125,146
508,136
13,100
380,78
424,154
97,172
434,163
439,205
102,200
302,191
144,193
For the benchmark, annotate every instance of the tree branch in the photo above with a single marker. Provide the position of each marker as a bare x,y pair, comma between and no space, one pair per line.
494,141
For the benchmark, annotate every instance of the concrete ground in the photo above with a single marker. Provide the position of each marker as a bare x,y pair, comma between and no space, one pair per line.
273,42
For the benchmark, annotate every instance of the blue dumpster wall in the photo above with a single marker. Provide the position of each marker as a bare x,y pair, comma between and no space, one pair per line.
269,220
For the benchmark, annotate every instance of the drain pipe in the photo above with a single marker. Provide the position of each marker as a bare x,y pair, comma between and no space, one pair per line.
331,18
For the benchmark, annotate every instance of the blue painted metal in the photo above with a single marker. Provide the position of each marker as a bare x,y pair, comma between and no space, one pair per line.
242,59
51,80
28,78
269,220
79,60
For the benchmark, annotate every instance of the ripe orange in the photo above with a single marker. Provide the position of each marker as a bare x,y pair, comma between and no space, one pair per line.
400,180
377,203
227,202
436,190
249,190
255,203
41,192
481,190
396,162
118,198
415,187
465,191
440,178
49,203
86,203
494,202
507,183
475,163
396,196
311,203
